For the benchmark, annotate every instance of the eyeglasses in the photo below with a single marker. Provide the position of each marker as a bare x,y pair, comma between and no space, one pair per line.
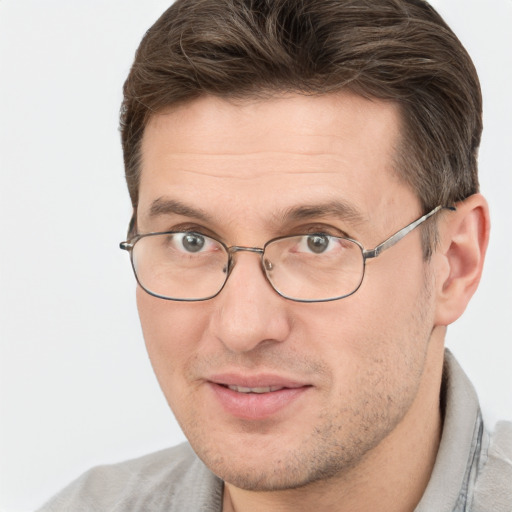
316,267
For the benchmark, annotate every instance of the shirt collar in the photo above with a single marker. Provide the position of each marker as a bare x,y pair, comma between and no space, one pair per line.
460,442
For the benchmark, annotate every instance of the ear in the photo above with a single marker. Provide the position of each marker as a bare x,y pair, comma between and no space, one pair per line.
464,235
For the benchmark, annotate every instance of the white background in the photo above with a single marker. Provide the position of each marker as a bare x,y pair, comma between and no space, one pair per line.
76,388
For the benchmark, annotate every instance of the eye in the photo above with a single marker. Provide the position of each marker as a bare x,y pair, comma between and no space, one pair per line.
318,243
191,242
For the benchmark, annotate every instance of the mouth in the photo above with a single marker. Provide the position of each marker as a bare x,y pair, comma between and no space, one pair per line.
256,398
257,390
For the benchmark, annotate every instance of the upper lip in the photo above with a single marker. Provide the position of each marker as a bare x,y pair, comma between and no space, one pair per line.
255,381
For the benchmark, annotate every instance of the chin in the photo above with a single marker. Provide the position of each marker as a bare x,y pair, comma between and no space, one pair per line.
272,462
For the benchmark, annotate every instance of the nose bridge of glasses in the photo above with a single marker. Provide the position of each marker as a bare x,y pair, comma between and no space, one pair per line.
241,248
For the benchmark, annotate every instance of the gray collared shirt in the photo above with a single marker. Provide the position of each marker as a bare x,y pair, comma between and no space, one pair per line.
472,472
473,468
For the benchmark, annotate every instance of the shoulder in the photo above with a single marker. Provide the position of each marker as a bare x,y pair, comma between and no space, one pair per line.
493,486
166,480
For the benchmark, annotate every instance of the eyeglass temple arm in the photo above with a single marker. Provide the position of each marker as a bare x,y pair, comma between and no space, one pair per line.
393,239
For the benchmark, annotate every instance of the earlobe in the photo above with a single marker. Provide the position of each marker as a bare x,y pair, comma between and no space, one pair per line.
464,235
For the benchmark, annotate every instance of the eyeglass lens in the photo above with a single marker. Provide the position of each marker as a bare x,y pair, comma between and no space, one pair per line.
193,266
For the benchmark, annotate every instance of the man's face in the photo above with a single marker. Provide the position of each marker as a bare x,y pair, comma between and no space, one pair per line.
314,388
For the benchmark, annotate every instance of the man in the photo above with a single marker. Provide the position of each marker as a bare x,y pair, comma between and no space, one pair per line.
306,225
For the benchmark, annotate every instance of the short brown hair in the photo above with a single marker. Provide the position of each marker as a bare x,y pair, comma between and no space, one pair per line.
397,50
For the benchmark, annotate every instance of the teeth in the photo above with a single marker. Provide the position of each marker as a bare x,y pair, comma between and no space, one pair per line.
266,389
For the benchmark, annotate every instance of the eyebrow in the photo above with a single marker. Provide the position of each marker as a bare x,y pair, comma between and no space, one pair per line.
336,208
163,206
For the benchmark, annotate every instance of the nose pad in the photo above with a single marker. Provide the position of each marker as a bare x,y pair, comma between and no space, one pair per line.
248,311
230,265
235,249
266,267
266,264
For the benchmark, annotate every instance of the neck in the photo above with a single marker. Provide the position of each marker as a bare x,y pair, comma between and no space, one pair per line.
390,478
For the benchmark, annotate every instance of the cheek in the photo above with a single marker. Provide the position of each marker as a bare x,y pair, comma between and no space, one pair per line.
380,332
396,284
172,332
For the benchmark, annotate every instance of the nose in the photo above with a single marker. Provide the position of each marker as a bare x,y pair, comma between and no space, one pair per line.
248,312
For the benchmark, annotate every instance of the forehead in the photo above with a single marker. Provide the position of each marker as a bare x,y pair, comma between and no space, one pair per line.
321,123
256,157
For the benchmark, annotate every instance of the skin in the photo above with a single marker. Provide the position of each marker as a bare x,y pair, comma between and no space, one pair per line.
364,430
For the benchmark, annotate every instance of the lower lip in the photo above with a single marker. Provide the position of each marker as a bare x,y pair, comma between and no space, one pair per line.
256,406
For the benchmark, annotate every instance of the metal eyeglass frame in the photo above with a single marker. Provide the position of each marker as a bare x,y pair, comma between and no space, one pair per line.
367,254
